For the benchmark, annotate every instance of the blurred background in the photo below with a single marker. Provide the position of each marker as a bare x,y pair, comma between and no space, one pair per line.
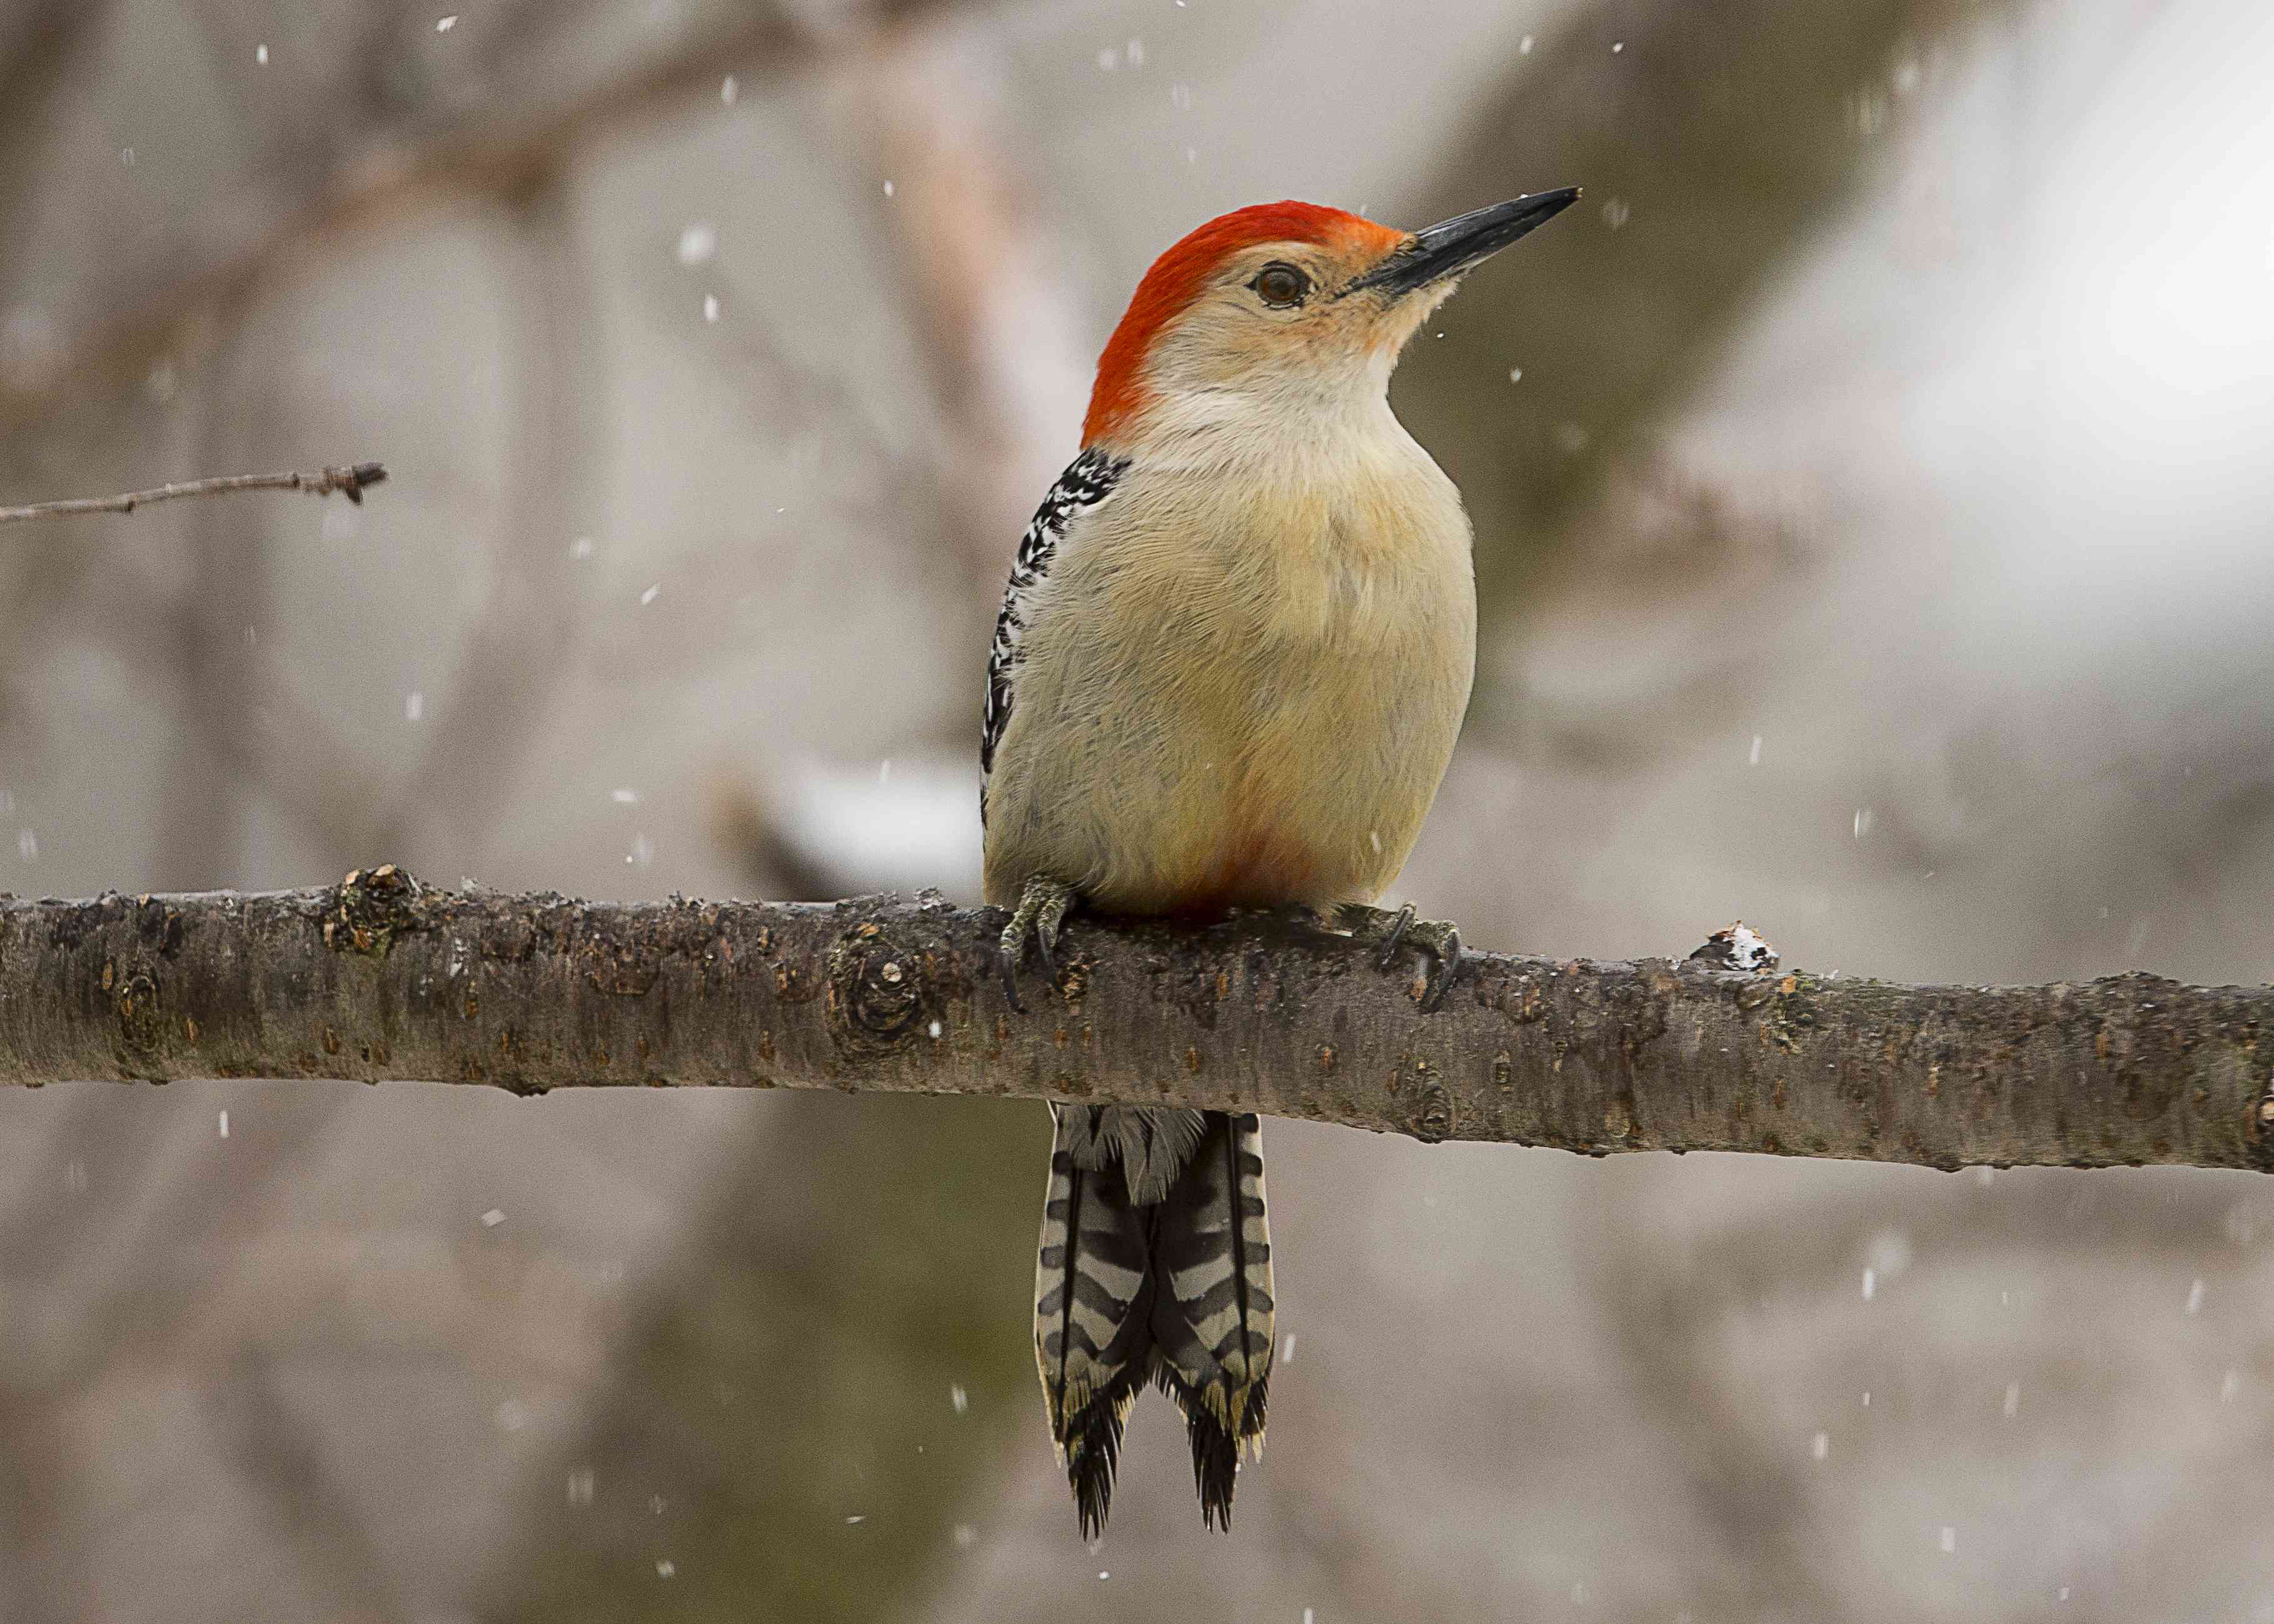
1873,515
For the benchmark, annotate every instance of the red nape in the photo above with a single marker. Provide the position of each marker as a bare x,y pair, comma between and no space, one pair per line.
1177,275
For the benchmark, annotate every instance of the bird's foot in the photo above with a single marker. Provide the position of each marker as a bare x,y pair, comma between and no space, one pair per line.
1436,939
1292,916
1043,908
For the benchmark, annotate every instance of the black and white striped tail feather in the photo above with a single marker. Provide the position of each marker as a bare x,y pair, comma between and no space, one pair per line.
1213,1312
1176,1291
1093,1309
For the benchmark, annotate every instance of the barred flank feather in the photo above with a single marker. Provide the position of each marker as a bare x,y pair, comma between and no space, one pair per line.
1176,1290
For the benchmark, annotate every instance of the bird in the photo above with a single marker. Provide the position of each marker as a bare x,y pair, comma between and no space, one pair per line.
1232,656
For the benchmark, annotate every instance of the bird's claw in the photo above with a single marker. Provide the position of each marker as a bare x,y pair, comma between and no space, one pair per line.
1394,937
1438,939
1043,908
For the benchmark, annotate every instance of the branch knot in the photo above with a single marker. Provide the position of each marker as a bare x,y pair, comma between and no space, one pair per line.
370,908
883,988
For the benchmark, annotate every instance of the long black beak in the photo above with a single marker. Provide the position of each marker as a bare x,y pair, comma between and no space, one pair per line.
1449,249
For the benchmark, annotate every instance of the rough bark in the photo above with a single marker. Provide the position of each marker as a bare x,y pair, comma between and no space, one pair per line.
381,978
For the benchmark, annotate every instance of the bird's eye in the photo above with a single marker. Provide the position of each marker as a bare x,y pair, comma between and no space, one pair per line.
1281,285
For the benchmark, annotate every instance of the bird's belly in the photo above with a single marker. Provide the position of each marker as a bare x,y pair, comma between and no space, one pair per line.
1305,780
1338,777
1254,725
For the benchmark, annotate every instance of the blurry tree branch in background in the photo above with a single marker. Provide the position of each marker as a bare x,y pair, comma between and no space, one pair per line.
350,482
493,137
381,978
530,621
1715,141
787,1373
996,316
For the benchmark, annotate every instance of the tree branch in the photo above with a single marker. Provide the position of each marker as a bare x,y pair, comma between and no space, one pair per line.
350,482
493,145
381,978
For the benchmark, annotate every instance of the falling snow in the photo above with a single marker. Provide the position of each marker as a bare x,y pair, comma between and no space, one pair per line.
697,242
222,1124
443,24
492,1218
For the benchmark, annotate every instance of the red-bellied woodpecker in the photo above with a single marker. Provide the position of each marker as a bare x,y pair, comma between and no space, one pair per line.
1233,655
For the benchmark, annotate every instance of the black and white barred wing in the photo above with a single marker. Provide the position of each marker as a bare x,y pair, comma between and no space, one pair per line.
1089,480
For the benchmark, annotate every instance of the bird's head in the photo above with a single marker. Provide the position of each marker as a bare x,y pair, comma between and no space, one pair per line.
1286,307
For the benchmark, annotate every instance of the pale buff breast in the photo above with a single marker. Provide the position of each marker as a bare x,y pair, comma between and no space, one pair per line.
1248,700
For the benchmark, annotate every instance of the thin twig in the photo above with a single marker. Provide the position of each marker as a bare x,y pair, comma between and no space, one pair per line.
349,482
